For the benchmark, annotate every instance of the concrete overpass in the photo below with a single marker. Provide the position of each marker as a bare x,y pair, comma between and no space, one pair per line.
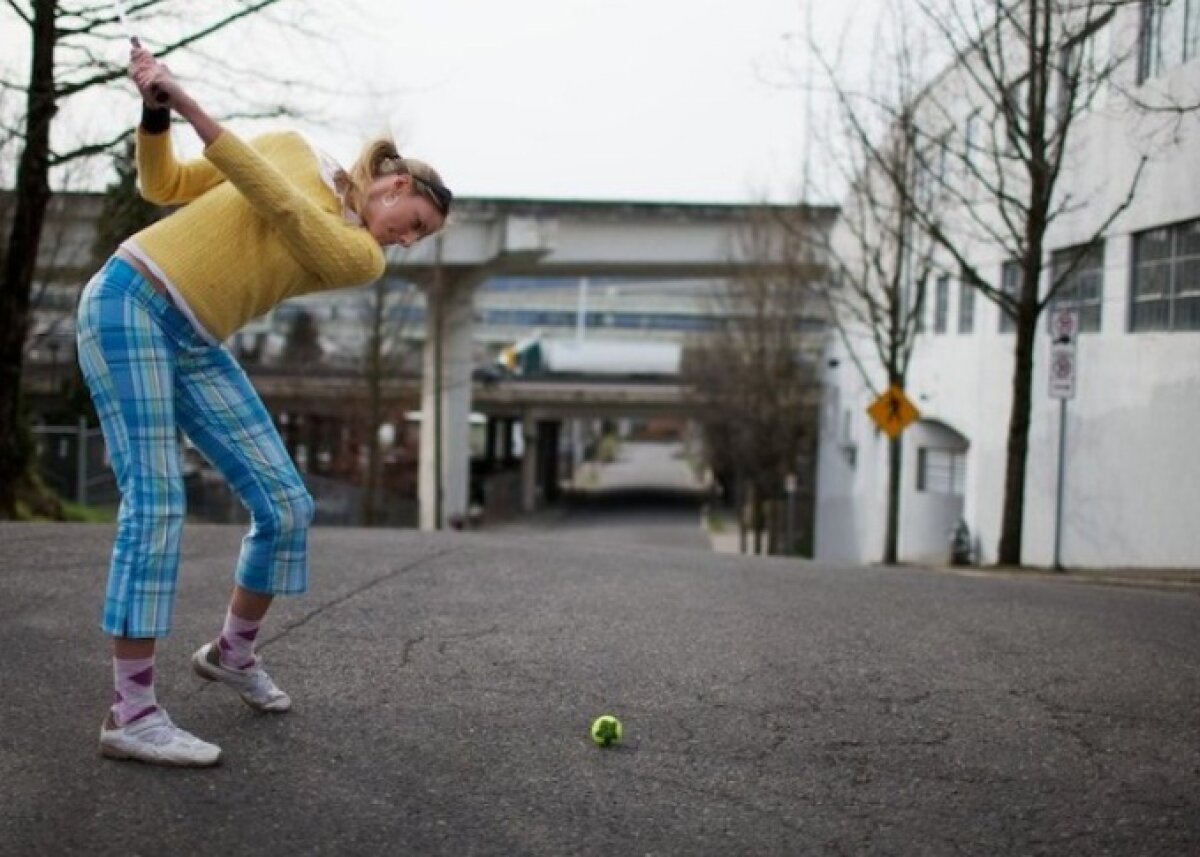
493,237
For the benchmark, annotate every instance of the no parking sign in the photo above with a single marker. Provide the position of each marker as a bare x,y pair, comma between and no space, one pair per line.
1064,328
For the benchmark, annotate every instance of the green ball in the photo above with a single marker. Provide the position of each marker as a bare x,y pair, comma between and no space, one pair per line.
606,729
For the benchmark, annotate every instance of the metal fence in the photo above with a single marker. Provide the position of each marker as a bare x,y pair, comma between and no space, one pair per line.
74,462
337,503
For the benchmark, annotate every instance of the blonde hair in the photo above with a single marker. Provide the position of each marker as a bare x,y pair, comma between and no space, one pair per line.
380,158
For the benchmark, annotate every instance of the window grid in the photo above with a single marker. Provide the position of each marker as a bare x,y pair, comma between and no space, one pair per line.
941,471
1084,286
1014,120
1165,289
1170,36
970,140
966,305
941,307
1010,279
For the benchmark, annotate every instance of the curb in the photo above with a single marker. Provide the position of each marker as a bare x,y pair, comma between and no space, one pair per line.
1150,579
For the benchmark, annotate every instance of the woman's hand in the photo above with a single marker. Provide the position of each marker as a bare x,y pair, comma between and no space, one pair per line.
152,78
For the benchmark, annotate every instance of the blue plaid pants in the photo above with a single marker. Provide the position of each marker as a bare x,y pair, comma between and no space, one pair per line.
152,374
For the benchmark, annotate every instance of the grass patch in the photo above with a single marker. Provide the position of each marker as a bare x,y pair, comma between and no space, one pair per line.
89,514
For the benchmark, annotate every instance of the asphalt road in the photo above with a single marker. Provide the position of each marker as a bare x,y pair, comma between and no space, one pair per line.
444,684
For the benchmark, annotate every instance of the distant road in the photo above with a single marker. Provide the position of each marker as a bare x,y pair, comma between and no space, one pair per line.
648,496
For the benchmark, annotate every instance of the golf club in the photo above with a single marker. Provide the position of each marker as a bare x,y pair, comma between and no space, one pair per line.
119,7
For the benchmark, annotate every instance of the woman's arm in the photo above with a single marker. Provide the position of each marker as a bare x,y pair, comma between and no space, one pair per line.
334,251
163,179
207,128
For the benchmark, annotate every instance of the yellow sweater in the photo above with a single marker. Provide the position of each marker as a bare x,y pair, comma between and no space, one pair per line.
260,225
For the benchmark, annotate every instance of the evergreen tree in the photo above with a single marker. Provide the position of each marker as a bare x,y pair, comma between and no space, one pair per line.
124,211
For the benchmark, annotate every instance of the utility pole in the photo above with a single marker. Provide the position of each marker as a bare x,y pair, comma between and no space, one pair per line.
439,308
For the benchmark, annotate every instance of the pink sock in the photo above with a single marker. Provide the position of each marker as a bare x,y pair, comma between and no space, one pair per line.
134,682
237,641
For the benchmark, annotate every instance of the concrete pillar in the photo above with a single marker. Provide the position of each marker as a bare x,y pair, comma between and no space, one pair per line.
489,447
576,451
452,316
529,464
507,427
549,432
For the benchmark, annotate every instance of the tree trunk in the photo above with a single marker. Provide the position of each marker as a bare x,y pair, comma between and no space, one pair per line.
891,539
772,527
756,525
374,405
740,505
33,195
1012,523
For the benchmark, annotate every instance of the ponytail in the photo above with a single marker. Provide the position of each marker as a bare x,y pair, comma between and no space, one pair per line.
380,158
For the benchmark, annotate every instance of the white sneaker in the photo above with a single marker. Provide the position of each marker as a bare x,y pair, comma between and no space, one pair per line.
155,739
252,684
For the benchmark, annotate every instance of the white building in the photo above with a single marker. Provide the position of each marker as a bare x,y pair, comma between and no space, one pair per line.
1132,462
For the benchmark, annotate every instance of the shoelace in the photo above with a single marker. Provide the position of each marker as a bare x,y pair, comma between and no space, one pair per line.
261,684
164,732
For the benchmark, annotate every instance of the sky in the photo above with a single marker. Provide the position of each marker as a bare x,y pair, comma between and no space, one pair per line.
650,100
654,99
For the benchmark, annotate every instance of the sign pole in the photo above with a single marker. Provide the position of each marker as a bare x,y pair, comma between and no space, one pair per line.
1062,473
1064,328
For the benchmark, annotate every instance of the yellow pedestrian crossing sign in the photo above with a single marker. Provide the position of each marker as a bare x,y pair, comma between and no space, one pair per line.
893,412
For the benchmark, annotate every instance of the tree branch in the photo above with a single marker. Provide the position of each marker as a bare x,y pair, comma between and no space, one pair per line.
1057,284
109,76
26,17
89,150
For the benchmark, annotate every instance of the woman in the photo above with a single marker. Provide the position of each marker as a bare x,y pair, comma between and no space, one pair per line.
260,222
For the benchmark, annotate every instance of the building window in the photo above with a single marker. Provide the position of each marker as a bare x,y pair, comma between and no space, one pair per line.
966,305
919,309
970,141
1010,284
1165,293
832,408
1086,62
941,305
941,471
1083,288
1170,36
848,445
1014,116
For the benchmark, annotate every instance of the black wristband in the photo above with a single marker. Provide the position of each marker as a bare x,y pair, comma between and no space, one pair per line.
155,120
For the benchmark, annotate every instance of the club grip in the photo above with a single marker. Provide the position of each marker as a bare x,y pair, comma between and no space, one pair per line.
159,96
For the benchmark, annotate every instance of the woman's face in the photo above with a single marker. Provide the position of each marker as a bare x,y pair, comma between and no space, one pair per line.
396,213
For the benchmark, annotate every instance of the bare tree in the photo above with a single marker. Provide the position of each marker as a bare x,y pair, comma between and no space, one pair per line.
387,312
1022,75
302,343
882,265
754,376
68,43
882,259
